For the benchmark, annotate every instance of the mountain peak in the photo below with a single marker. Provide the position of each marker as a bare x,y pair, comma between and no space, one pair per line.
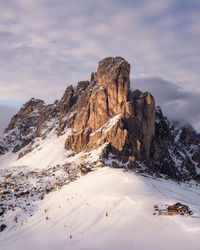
110,99
104,114
112,68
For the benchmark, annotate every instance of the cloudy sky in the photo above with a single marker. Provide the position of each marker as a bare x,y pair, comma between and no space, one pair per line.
45,45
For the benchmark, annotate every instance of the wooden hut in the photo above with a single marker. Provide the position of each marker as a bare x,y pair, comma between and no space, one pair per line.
178,208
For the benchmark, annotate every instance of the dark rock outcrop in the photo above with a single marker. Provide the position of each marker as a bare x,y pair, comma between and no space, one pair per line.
174,152
2,227
32,120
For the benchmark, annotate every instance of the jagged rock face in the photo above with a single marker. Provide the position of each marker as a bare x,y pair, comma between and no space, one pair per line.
113,69
172,153
24,114
113,75
187,137
27,124
140,118
22,127
105,112
106,97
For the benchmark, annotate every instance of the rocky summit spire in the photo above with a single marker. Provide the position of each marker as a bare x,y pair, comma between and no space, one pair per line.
115,72
113,114
112,68
113,75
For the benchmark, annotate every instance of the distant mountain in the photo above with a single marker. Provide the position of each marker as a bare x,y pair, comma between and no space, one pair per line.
185,125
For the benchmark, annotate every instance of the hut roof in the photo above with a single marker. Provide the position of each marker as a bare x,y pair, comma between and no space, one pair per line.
178,206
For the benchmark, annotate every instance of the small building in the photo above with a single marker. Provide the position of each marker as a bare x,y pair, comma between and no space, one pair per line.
176,209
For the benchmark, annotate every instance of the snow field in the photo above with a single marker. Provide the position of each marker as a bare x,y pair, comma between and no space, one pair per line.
109,209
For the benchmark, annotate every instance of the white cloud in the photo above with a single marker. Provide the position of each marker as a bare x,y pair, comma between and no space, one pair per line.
46,45
176,102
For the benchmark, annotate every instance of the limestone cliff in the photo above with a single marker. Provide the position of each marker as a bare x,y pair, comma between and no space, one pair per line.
108,112
104,112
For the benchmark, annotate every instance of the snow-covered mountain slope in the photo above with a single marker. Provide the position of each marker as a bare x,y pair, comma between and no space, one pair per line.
48,202
45,153
109,209
46,168
48,152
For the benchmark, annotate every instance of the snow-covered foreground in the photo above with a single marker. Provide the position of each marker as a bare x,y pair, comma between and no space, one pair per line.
109,209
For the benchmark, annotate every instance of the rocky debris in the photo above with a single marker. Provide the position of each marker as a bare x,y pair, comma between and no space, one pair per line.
2,227
2,211
132,162
115,164
23,153
23,187
84,169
